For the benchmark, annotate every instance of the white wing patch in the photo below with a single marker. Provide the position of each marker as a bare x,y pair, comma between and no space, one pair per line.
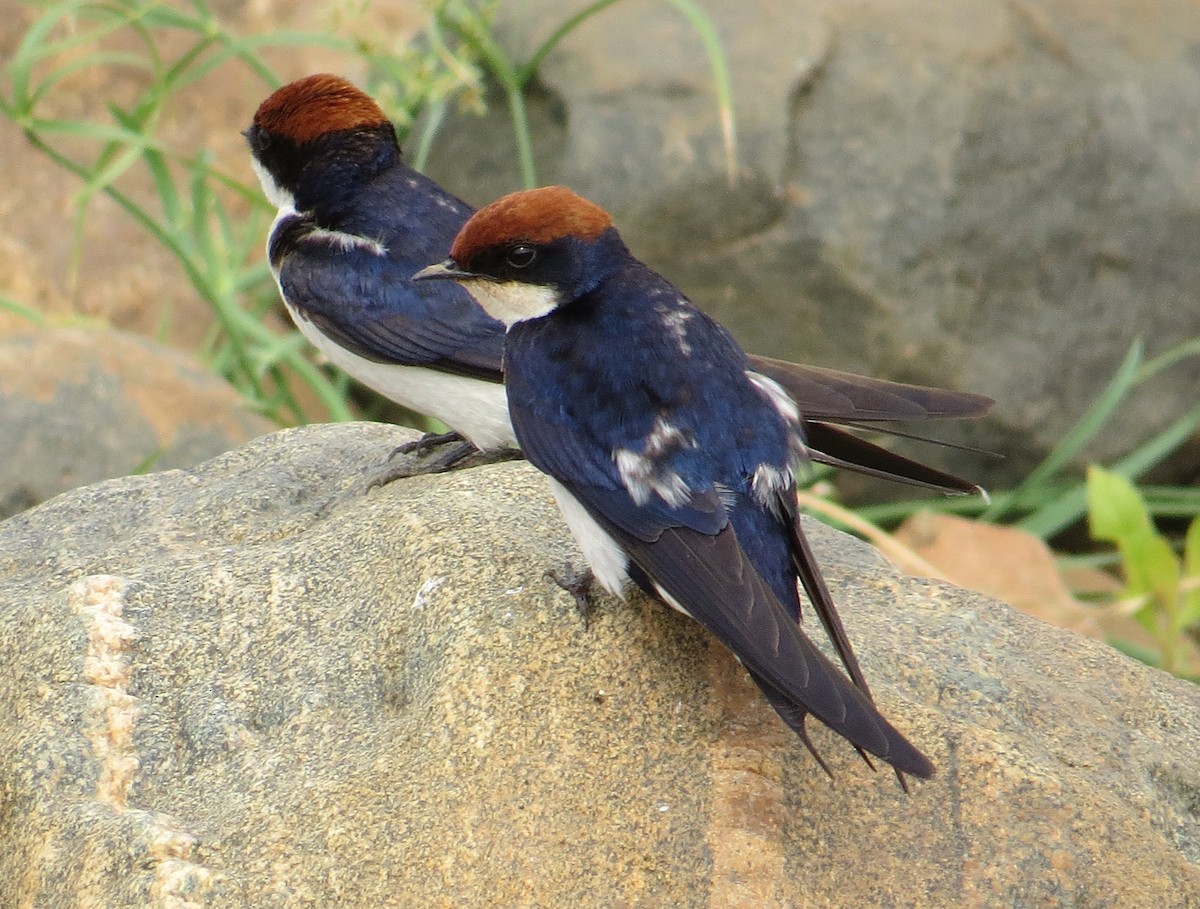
675,321
645,474
345,241
773,392
770,483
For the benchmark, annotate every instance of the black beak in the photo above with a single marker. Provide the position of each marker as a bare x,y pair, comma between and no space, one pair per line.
447,270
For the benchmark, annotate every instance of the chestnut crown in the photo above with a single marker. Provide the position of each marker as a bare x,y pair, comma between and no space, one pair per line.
316,106
534,217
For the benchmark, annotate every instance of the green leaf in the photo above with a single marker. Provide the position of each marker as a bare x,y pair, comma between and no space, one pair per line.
1189,611
1161,566
1116,510
7,304
1152,571
1092,422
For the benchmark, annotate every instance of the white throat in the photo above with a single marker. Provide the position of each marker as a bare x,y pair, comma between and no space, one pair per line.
276,194
511,302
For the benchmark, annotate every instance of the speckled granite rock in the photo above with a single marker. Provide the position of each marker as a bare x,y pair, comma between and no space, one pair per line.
80,405
226,687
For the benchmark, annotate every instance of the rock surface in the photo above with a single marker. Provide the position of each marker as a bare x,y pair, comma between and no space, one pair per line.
81,405
234,686
991,195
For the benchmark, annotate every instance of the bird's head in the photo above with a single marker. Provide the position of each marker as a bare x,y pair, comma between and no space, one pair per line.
318,129
530,252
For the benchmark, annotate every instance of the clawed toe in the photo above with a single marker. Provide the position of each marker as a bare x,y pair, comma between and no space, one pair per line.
426,444
579,585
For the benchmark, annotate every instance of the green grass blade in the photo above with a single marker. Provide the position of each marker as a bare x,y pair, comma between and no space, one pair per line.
25,312
1095,419
704,27
1071,506
526,72
164,185
435,115
889,514
1168,359
520,125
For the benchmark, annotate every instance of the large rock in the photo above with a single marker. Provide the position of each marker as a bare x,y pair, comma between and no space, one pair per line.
234,686
80,405
989,195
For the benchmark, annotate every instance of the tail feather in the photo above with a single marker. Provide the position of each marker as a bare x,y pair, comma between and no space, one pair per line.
838,448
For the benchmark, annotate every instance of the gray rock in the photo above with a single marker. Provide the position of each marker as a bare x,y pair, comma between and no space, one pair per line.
987,195
81,405
236,686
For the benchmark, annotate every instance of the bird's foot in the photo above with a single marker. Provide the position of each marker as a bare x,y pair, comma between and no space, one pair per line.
579,585
427,443
461,454
401,462
402,465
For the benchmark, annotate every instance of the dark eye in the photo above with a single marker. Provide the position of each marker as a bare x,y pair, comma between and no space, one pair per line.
520,256
258,138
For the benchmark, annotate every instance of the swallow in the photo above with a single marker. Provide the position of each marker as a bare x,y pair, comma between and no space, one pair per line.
672,457
355,222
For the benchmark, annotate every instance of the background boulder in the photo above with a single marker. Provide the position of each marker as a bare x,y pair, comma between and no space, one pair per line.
987,195
79,405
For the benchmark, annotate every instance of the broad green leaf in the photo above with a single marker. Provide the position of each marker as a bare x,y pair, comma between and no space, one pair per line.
1116,510
1189,609
1152,570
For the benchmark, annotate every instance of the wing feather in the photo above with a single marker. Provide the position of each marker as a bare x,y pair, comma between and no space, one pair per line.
710,577
829,394
381,315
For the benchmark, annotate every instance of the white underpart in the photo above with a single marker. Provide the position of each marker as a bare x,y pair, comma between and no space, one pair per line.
475,408
512,301
472,407
608,561
671,601
644,473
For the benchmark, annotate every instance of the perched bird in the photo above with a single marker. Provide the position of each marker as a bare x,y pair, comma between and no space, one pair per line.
671,456
355,222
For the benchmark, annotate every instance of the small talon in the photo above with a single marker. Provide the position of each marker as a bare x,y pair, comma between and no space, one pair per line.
401,465
426,443
579,585
400,469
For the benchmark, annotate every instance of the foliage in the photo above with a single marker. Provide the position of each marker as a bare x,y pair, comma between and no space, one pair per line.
212,223
1117,510
198,212
1163,588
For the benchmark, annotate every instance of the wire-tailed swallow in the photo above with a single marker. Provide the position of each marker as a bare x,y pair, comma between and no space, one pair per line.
671,455
355,222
